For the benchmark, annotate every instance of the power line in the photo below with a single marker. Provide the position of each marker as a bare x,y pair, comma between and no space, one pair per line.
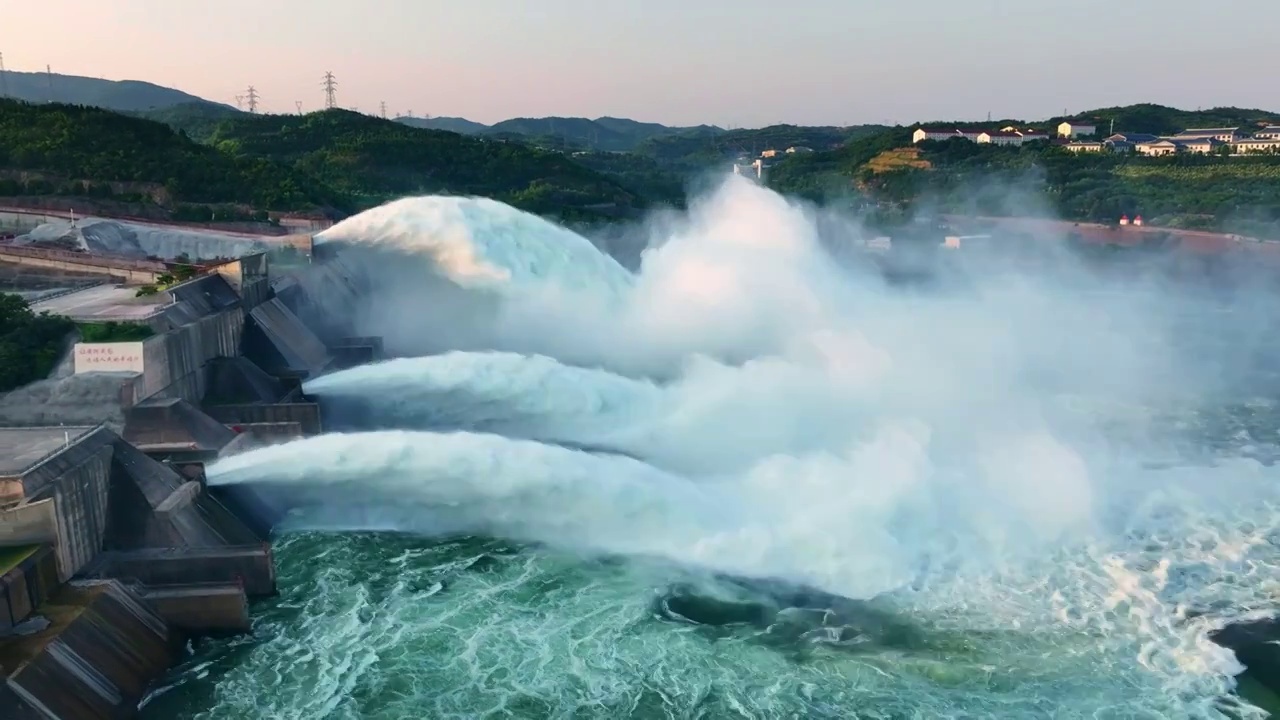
330,91
252,95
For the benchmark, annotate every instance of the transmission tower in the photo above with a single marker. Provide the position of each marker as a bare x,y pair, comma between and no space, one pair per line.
252,96
298,104
4,81
48,74
410,114
330,91
239,101
382,108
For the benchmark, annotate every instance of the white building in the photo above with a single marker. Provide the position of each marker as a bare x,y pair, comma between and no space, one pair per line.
1257,144
798,149
1202,145
994,137
1083,147
922,134
1270,132
1077,129
1155,148
1000,137
1226,135
1127,142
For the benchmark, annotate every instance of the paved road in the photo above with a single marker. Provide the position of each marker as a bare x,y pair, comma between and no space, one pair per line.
103,303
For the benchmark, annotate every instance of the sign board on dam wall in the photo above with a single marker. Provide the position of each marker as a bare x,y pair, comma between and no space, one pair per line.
109,357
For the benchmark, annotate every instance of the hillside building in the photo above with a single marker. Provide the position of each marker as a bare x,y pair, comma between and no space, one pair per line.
1256,144
922,134
1127,142
1075,129
1083,147
1000,137
1201,145
1222,135
1270,132
1156,148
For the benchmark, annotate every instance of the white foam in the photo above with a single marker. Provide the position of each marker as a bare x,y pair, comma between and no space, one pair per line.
478,242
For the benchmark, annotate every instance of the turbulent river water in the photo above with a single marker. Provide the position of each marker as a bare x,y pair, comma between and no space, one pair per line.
749,481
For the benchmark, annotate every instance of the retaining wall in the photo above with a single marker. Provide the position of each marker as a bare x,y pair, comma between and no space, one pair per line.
24,220
29,523
139,272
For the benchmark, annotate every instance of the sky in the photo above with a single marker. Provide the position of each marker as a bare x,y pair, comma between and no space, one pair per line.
733,63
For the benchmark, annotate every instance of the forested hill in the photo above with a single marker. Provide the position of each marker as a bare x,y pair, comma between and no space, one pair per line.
604,134
75,150
122,95
371,159
333,161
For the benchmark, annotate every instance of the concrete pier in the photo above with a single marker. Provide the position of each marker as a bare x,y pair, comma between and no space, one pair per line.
100,650
201,609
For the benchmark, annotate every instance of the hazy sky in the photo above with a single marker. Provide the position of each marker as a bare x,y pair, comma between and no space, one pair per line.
727,62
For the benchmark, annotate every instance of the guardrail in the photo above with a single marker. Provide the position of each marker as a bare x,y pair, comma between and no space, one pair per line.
101,261
275,231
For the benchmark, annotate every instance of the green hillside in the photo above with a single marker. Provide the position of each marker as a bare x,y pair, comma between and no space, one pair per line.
605,134
370,160
196,120
332,162
121,95
73,150
1163,120
459,125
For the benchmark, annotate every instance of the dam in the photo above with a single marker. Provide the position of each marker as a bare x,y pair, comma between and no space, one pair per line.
113,550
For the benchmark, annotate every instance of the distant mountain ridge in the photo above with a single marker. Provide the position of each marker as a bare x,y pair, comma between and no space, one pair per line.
117,95
602,133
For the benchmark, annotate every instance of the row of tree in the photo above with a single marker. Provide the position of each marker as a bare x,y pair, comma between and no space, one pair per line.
334,161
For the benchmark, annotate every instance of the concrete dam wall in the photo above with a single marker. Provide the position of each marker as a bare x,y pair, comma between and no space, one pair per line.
102,650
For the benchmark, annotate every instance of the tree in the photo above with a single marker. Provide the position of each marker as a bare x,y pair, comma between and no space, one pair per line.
29,344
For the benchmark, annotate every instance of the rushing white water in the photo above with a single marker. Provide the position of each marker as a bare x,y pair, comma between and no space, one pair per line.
980,461
482,243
